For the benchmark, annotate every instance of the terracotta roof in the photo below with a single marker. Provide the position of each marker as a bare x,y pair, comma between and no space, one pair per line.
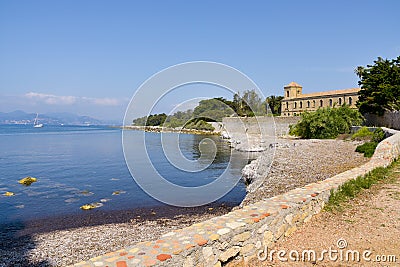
293,84
332,92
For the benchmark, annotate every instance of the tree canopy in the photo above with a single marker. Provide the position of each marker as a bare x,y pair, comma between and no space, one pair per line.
326,123
214,109
274,103
380,86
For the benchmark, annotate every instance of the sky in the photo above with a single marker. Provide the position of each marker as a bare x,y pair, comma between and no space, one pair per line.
89,57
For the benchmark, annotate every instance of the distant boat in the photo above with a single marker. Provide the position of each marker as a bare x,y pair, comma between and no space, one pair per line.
36,123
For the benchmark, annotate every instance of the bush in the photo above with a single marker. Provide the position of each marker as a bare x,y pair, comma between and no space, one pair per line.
199,125
367,148
378,135
362,134
326,122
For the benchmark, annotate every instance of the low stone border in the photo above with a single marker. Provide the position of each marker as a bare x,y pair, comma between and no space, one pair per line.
246,231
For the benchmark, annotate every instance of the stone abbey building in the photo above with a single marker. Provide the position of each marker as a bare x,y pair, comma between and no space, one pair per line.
295,102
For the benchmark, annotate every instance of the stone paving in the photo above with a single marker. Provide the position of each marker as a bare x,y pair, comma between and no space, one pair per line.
244,231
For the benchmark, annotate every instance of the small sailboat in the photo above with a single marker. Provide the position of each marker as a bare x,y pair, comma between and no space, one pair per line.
36,123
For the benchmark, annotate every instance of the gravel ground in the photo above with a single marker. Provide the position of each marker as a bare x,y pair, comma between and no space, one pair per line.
300,162
67,240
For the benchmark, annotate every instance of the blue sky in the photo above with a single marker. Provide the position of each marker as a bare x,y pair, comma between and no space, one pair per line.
89,57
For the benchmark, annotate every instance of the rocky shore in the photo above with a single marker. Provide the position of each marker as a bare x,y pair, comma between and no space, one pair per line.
64,241
159,129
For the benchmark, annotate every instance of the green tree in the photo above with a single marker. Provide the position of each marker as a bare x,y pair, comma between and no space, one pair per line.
212,110
274,103
236,104
156,119
252,103
140,121
179,118
380,86
326,122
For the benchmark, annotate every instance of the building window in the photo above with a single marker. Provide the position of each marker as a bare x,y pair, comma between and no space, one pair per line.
287,93
295,105
308,104
313,103
287,105
301,104
330,102
340,101
321,103
350,101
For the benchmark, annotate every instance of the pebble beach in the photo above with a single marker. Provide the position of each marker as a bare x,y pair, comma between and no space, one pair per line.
68,240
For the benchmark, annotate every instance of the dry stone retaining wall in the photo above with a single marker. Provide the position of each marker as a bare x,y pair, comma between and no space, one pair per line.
390,119
247,231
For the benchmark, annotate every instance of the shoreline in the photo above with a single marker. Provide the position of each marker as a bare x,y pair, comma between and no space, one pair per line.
98,217
105,232
158,129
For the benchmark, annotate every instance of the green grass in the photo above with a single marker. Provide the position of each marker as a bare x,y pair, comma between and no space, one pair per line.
352,188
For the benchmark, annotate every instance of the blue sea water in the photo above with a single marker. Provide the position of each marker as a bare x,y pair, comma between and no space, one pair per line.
77,165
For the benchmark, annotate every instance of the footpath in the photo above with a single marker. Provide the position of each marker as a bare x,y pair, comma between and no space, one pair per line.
368,226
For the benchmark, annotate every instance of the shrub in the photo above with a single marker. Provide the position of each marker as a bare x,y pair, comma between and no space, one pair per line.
362,134
378,135
367,148
199,124
326,122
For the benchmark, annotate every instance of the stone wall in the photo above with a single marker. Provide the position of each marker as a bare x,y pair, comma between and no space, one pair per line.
389,119
245,232
282,124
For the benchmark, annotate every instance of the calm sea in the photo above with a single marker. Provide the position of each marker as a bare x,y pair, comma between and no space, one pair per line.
77,165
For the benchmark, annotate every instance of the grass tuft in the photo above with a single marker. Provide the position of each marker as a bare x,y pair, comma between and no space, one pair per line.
352,188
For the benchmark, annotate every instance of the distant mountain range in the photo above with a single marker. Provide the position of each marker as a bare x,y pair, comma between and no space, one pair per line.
21,117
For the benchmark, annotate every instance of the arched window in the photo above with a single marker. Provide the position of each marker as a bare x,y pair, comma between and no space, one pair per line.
313,103
287,93
330,102
340,101
350,101
321,103
295,104
301,104
308,104
287,105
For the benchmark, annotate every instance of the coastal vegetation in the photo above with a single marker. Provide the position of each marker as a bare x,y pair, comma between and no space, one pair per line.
373,139
275,104
326,123
248,104
380,86
362,134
